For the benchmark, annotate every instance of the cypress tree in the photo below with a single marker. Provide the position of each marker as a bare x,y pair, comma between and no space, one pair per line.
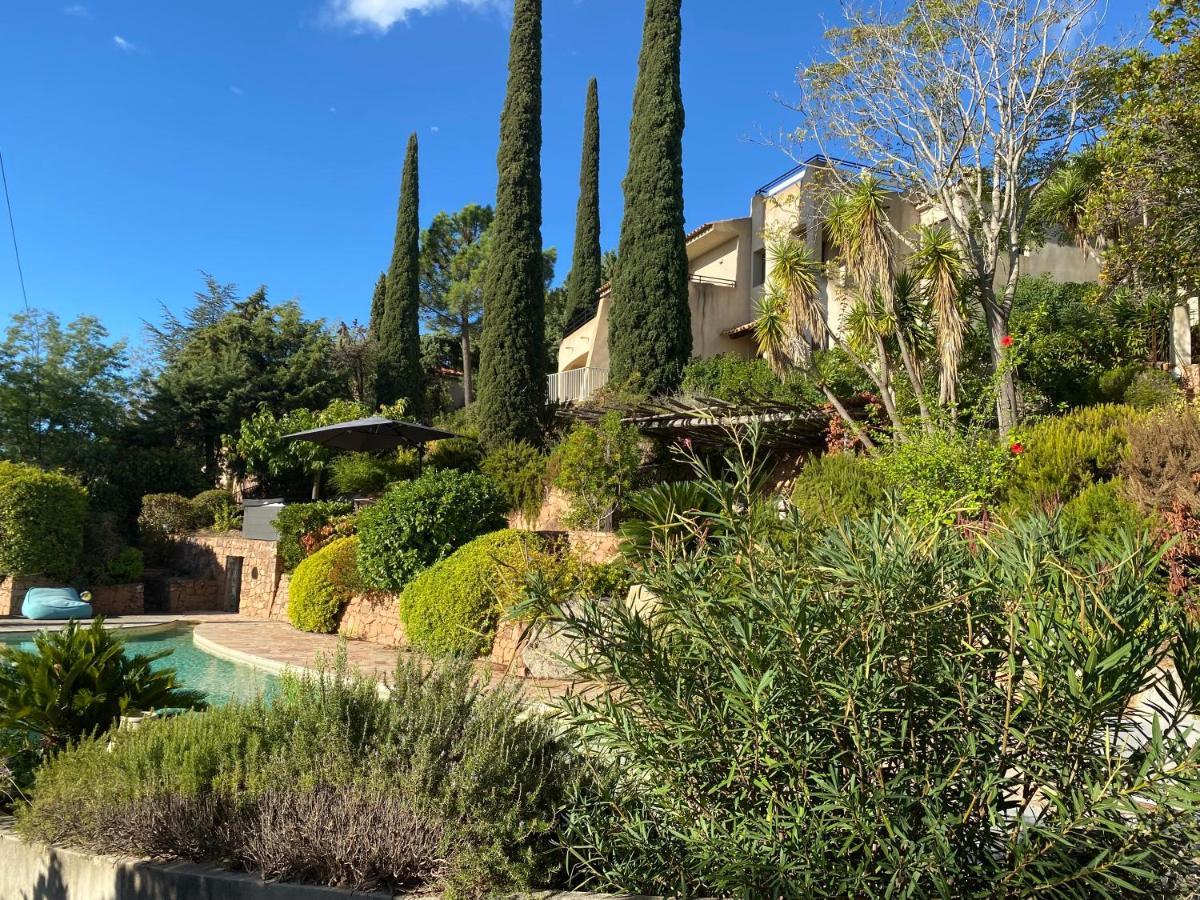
399,333
650,331
512,363
378,304
585,281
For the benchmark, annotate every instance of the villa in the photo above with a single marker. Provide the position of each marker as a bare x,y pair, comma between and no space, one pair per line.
728,263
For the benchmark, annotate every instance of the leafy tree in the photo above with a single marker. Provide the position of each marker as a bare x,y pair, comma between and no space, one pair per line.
650,329
399,329
64,392
608,267
208,306
255,356
965,106
584,282
354,357
453,251
513,356
259,448
1136,195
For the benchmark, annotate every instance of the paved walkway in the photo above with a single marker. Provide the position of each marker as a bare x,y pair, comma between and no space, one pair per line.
14,625
275,646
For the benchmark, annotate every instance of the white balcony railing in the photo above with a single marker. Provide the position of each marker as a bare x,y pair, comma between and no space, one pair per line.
574,385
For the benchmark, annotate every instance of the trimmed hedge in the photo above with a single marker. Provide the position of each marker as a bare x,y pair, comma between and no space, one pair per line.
298,519
452,607
42,520
418,522
322,585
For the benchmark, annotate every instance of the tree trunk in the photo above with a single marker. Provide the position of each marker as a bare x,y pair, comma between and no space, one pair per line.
316,485
1006,387
466,354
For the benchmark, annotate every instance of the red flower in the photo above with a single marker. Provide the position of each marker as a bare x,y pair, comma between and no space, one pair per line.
1006,341
1016,448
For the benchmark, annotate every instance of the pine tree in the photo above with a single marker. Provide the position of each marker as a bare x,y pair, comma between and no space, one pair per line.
512,365
400,332
650,332
378,305
585,282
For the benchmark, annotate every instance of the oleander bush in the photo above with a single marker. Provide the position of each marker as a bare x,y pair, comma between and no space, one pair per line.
42,521
1062,456
453,606
212,507
322,585
78,682
839,486
418,522
885,709
298,520
520,472
368,474
674,512
437,785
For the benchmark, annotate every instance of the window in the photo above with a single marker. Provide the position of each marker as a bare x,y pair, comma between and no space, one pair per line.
759,267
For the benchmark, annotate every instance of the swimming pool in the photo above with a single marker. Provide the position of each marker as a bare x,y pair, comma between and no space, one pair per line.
220,679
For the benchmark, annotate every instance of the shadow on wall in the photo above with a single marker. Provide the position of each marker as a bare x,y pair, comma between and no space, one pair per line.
50,884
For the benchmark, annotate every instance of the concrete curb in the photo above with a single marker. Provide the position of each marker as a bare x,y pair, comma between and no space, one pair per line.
30,871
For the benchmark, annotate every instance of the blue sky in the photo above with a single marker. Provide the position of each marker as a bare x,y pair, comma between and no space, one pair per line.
262,140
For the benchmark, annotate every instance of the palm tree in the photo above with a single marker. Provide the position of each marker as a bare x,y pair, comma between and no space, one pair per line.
939,267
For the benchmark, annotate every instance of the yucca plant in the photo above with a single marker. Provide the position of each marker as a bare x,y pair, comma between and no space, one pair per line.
79,682
939,267
886,710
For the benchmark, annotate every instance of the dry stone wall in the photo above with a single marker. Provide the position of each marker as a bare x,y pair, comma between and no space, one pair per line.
375,618
211,556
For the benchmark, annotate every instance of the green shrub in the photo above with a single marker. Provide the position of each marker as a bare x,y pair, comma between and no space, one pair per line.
520,472
79,682
1151,389
596,467
322,585
369,474
163,518
936,477
418,522
884,710
1162,466
1101,512
126,567
733,378
462,454
42,519
210,506
452,606
1062,456
662,514
296,520
1113,384
838,486
435,786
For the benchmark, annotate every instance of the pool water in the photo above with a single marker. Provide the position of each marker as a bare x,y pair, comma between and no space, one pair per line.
220,679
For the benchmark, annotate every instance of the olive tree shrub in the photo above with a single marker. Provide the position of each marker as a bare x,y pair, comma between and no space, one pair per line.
884,709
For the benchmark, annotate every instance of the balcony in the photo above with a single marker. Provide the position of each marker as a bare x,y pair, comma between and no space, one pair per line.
575,385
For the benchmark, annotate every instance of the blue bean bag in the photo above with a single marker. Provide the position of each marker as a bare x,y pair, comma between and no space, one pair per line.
54,603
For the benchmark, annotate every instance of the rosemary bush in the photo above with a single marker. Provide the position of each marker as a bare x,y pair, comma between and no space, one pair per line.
885,709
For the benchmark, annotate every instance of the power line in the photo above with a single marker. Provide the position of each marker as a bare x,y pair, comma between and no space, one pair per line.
13,230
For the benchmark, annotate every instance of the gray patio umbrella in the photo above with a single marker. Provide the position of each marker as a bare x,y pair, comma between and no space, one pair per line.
374,433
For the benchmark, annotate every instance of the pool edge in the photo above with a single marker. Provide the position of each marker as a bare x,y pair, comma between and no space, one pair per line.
262,663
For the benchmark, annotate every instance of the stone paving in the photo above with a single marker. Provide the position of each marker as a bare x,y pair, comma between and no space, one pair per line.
275,645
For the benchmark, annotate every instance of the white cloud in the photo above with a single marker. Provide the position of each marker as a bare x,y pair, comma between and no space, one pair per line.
122,44
381,15
77,9
435,128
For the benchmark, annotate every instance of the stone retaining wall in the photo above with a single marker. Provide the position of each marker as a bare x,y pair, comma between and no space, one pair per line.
185,595
375,618
119,599
209,555
108,600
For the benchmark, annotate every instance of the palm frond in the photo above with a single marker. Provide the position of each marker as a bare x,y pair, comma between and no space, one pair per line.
940,268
